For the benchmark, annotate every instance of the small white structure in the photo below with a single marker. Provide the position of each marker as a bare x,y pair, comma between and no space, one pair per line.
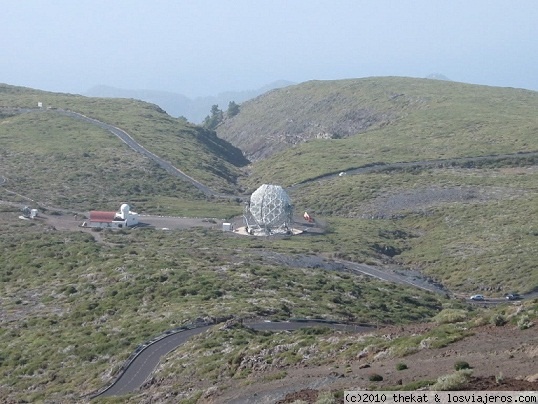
40,104
123,218
227,227
28,213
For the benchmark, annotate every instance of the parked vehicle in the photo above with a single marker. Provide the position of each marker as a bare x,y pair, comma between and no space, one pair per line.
513,296
478,297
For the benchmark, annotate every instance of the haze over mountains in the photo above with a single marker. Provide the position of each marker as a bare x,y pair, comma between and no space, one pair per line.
175,104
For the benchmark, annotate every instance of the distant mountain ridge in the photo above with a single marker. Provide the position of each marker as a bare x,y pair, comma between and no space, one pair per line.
175,104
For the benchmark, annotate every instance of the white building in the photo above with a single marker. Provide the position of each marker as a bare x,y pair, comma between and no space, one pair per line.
123,218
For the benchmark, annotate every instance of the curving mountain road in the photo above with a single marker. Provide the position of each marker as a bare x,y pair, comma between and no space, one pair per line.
133,144
146,359
368,168
144,363
377,167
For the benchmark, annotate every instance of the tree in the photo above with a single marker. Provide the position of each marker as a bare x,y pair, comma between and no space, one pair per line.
213,120
233,109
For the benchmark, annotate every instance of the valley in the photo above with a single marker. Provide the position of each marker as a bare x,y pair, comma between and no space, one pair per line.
70,296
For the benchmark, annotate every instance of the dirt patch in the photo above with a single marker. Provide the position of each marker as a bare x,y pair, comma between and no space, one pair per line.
493,383
308,395
475,384
398,203
502,358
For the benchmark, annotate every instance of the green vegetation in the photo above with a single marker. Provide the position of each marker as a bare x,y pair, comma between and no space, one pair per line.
460,365
196,151
73,309
380,119
375,377
233,109
236,352
466,227
74,306
453,381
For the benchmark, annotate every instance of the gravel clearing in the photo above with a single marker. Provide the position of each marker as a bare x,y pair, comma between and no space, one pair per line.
398,203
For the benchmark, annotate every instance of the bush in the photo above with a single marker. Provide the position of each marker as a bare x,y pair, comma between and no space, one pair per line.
524,322
449,316
326,398
401,366
461,365
454,381
498,320
374,377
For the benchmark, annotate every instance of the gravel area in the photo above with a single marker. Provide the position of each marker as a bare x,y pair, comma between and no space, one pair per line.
400,202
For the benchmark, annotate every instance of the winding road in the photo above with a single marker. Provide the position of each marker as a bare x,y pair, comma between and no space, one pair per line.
133,144
145,359
176,172
141,366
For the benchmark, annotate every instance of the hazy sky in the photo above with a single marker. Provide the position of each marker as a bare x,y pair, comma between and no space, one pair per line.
203,47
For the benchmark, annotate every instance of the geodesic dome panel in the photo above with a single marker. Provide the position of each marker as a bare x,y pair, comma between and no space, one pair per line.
270,207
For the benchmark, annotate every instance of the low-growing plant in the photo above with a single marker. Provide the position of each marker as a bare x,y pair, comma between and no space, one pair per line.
499,378
276,376
461,365
447,316
498,320
375,377
401,366
326,397
524,322
453,381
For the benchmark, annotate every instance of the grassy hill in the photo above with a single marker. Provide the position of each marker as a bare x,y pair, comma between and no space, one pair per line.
75,306
465,224
329,126
74,309
68,163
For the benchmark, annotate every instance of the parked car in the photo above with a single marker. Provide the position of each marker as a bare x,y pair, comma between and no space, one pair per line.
478,297
513,296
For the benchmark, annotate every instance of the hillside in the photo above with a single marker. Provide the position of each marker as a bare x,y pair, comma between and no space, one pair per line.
329,126
76,303
71,163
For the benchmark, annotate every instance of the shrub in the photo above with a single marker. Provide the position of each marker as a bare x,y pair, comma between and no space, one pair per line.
326,398
498,320
453,381
448,316
401,366
524,322
374,377
461,365
499,378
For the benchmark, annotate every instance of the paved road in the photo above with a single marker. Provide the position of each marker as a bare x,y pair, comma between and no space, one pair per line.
145,363
147,360
369,168
133,144
376,167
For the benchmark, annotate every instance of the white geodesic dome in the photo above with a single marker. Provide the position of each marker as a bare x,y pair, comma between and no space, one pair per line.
269,210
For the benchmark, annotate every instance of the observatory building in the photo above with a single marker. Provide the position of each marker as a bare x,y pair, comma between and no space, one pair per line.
123,218
269,211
